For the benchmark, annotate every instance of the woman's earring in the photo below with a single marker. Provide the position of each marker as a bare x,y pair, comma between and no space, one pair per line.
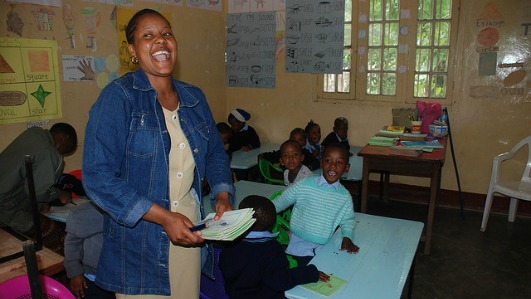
134,60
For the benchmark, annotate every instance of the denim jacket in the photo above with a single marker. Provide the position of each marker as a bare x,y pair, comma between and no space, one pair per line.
125,171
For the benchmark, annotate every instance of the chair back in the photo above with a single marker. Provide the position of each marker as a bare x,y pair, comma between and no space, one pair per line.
213,289
265,169
19,288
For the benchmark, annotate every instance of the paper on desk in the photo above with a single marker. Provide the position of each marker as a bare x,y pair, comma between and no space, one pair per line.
326,288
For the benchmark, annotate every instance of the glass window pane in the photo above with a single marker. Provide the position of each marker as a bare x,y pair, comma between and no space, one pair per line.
347,59
348,11
375,34
389,59
344,82
373,83
348,35
443,9
425,11
329,83
421,86
438,86
388,84
375,10
391,34
440,60
442,34
422,61
374,60
424,34
392,10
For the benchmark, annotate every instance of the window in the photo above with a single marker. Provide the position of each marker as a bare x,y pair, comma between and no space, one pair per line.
395,51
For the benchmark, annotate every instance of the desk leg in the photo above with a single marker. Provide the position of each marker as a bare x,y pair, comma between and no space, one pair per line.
411,276
435,184
365,185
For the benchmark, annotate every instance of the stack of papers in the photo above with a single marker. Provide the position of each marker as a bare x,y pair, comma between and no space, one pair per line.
382,141
405,151
391,131
231,225
422,144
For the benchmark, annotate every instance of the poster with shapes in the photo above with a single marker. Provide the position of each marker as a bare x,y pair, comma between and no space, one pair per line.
314,36
250,50
29,80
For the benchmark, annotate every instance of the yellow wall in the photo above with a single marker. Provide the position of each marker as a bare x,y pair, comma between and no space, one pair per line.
482,126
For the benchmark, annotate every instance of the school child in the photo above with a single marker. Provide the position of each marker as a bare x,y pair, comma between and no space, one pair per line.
225,132
320,204
84,237
339,134
291,158
256,266
298,135
245,137
313,131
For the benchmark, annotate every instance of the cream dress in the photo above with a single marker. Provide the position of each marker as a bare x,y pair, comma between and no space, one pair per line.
184,263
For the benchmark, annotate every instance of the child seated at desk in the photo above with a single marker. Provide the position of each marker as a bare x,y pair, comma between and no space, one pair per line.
298,135
256,266
339,134
245,137
313,131
320,204
291,158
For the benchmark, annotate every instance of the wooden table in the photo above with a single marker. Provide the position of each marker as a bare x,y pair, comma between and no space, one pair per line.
379,159
381,267
49,262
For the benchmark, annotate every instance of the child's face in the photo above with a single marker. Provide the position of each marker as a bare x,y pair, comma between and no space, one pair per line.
341,130
291,156
225,137
235,124
299,138
333,164
314,135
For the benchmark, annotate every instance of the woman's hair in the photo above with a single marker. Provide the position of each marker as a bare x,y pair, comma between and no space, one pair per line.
264,212
310,125
131,26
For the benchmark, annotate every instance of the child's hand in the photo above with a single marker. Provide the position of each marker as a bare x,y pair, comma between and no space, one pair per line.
323,277
349,246
77,285
246,148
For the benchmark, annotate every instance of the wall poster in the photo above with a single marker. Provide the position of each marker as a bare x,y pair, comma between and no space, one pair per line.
250,50
314,36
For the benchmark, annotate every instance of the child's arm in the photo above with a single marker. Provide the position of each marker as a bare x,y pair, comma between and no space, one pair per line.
77,285
286,199
349,246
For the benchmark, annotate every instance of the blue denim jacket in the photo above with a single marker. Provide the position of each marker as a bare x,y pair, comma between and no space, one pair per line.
125,171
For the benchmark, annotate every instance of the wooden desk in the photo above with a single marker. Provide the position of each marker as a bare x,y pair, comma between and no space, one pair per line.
49,262
246,160
378,159
381,267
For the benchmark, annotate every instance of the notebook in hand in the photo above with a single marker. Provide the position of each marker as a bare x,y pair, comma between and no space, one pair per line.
231,225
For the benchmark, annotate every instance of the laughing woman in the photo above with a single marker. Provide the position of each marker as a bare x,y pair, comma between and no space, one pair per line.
150,140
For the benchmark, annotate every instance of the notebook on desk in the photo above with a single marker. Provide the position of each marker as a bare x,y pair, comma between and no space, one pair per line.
423,144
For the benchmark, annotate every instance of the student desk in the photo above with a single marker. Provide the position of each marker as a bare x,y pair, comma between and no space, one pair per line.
245,160
379,159
381,267
49,262
243,189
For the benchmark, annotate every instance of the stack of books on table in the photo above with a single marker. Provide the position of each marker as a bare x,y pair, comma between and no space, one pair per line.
382,141
230,226
391,131
423,144
405,151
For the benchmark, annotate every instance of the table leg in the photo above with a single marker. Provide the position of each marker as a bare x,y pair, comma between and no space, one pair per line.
435,184
365,185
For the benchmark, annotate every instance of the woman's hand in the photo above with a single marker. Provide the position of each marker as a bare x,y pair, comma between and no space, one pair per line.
77,285
176,225
222,204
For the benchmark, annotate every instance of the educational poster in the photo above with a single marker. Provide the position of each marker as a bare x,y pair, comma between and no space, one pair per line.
123,15
250,49
241,6
29,80
214,5
314,36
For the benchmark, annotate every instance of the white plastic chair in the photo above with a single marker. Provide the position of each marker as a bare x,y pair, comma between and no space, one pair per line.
512,188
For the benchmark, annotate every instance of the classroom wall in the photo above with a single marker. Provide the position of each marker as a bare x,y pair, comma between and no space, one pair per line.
485,119
199,33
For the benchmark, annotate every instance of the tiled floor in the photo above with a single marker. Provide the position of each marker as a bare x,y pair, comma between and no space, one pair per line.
465,262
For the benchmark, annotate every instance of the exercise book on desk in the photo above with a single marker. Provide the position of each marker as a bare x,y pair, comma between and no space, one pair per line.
423,144
326,288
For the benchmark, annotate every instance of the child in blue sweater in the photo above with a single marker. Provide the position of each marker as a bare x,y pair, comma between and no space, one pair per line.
320,205
256,266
